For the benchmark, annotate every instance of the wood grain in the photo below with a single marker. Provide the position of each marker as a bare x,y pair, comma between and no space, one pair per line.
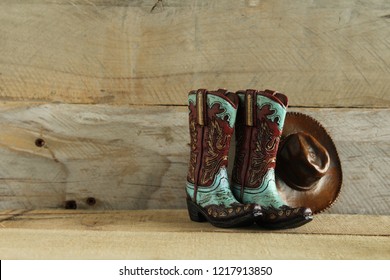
136,157
173,220
168,235
320,53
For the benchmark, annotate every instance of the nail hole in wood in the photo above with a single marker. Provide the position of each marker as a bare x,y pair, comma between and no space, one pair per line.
91,201
70,204
39,142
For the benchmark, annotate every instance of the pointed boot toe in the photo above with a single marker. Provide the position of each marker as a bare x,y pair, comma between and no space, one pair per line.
284,217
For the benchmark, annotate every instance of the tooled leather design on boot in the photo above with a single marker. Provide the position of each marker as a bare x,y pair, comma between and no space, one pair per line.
264,153
258,129
211,141
193,143
211,121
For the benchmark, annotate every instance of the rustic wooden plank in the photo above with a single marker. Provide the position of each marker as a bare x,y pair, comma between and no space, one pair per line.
321,53
136,158
125,158
117,235
65,244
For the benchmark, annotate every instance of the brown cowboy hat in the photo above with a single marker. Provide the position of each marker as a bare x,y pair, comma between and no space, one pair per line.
308,168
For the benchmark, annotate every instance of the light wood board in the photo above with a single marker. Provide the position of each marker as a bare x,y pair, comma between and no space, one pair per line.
137,158
320,53
168,234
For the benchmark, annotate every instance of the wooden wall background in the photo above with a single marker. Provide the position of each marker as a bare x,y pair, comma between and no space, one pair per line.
104,84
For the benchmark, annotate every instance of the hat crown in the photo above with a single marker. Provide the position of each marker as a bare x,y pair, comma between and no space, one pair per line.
303,159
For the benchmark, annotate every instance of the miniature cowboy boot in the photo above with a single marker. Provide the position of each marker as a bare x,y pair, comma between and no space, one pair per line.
259,125
211,120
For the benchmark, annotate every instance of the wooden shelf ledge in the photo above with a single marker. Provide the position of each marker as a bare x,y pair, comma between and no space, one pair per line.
169,234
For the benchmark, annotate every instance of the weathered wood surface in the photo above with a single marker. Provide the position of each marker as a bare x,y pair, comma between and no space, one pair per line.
321,53
136,158
116,52
169,234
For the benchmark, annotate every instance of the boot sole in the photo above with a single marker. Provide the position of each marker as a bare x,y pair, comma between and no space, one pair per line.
198,214
284,225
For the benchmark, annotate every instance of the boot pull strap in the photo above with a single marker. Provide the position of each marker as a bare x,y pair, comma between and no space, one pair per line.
283,98
270,91
201,108
250,107
222,91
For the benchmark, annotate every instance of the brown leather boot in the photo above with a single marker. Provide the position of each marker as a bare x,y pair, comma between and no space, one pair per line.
259,125
212,116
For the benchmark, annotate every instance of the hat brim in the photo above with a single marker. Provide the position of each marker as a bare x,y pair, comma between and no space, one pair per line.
325,191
